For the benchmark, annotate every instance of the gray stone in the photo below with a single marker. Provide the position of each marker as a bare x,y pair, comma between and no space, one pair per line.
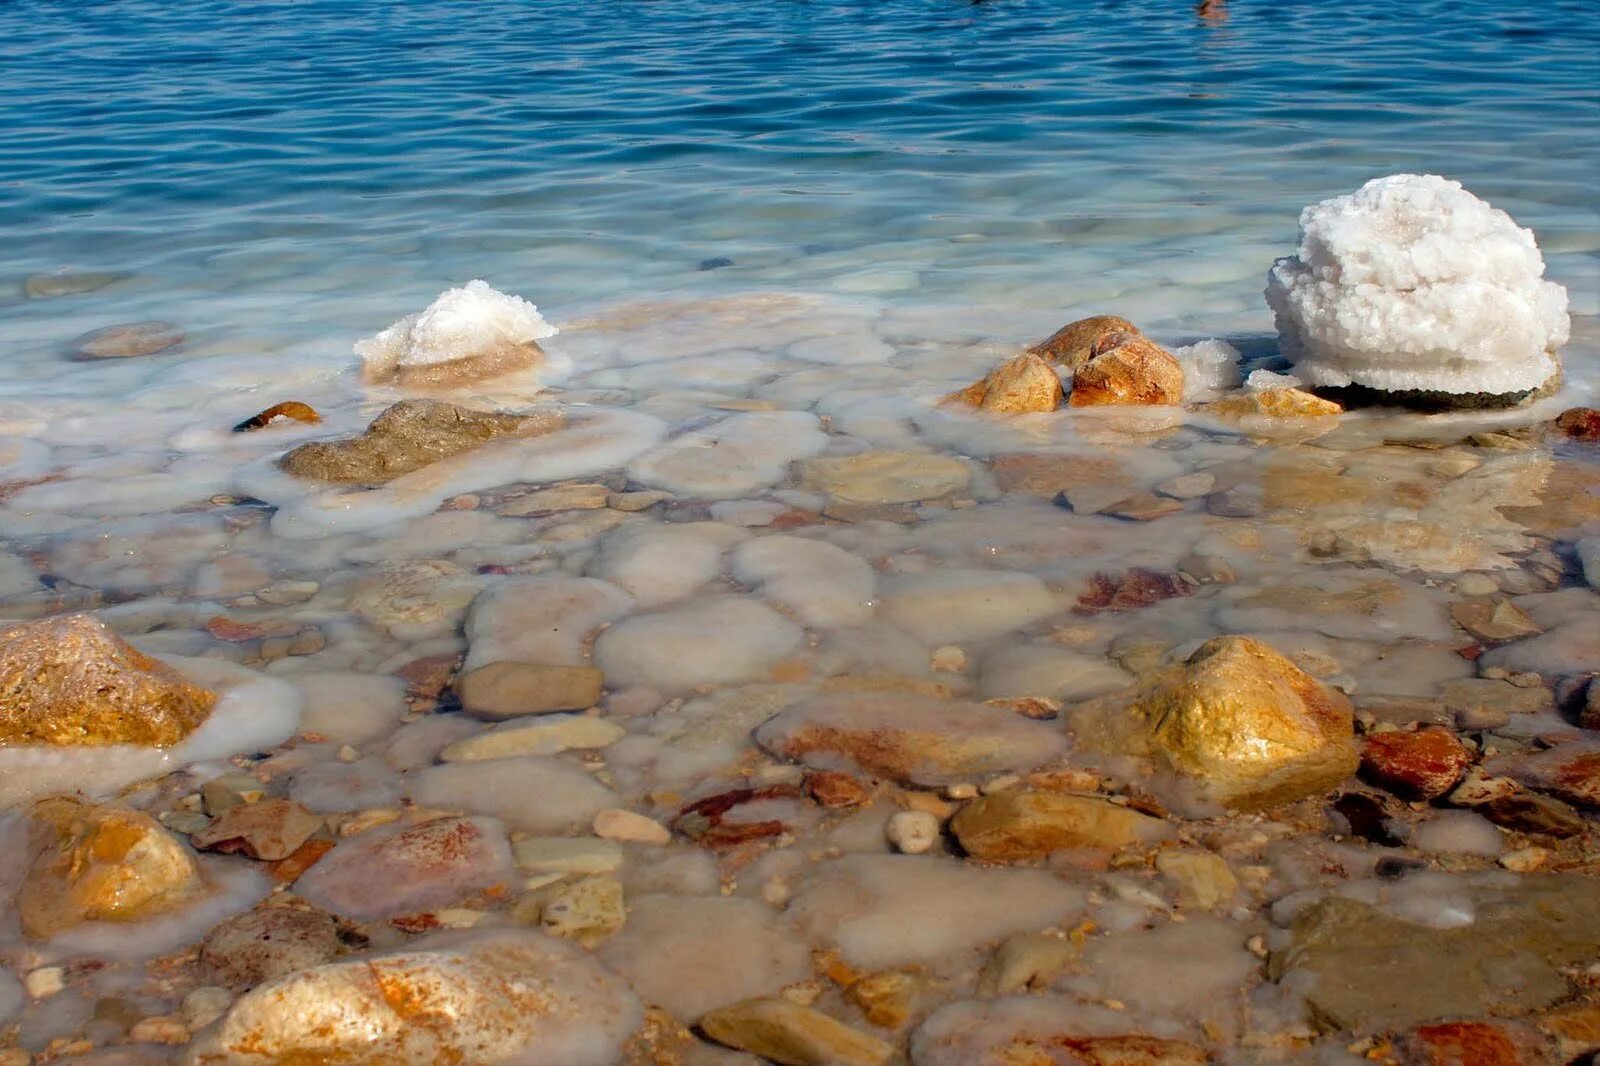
127,340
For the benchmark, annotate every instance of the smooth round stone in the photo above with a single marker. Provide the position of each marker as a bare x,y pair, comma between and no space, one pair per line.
127,340
825,586
1037,670
885,476
953,606
533,793
709,642
732,457
542,620
663,562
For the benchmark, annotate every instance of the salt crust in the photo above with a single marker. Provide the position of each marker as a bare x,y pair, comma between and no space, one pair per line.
1413,283
460,324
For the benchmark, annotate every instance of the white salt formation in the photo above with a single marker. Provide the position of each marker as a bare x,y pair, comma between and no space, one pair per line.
465,335
1414,285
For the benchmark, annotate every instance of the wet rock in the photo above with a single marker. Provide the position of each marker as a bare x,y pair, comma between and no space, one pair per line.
502,690
1365,816
1026,962
127,341
587,910
1129,590
70,283
955,606
533,793
713,641
409,436
1239,720
912,832
566,855
404,869
886,999
543,736
71,681
1580,423
834,790
1495,621
885,477
1528,812
1420,765
1360,968
1274,403
1204,881
793,1035
1570,771
1029,825
1142,507
629,827
1073,344
414,599
269,942
1047,476
1486,1043
293,410
1575,1029
463,998
1485,699
1569,648
1024,385
586,497
271,829
908,738
1137,372
102,864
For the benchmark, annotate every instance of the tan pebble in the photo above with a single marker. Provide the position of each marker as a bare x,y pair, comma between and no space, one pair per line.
1524,860
1257,946
458,917
15,1057
961,791
949,659
205,1005
912,832
1000,784
45,982
925,801
616,824
159,1030
1526,680
804,993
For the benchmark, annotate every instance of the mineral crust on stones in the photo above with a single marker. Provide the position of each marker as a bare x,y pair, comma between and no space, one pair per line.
466,335
1415,288
71,681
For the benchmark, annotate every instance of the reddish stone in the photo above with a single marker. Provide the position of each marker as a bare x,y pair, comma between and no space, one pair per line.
1419,765
834,789
1475,1044
1570,771
1129,590
429,676
233,632
288,871
1580,423
702,820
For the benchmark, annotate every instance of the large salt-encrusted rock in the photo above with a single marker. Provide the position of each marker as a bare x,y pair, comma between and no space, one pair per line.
1413,287
465,335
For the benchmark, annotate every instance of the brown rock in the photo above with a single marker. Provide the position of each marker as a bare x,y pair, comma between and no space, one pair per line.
792,1035
1419,765
1024,385
71,681
832,789
509,689
127,341
1129,590
1580,423
1274,403
1570,771
1047,475
268,942
1528,812
1128,1050
271,829
408,436
1025,825
1142,507
1137,372
293,410
102,864
1494,621
1475,1044
1575,1029
886,998
1073,344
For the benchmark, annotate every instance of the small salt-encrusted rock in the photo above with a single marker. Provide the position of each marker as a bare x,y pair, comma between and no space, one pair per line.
1420,765
1137,372
508,689
1024,385
466,335
1274,403
404,869
912,832
409,436
1496,621
414,598
71,681
887,998
833,789
127,341
270,830
1580,423
793,1035
102,864
478,997
587,910
265,943
1028,825
1034,1031
566,855
1072,345
1142,507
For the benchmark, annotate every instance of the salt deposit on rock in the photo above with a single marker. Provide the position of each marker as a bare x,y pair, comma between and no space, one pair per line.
733,456
540,619
716,641
533,793
407,869
823,585
1412,285
466,334
1210,368
657,563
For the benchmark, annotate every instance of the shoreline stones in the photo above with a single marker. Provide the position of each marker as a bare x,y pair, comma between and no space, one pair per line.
409,436
466,335
71,681
1132,372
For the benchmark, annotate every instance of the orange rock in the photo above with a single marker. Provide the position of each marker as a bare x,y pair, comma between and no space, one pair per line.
1025,825
1420,765
1073,344
834,789
1130,1050
292,409
233,632
1024,385
1475,1044
272,830
1137,372
102,864
71,681
1274,403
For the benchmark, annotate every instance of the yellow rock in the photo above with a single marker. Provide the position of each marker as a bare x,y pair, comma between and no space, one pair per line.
1024,825
71,681
1025,385
1075,343
1274,403
793,1035
102,864
1246,724
1137,372
887,997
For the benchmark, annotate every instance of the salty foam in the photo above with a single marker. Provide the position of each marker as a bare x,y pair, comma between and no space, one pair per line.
471,321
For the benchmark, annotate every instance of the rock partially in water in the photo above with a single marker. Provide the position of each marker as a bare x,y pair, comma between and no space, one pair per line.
1580,423
1274,403
1024,385
1073,344
477,998
71,681
544,620
1570,771
1135,373
409,436
1414,287
102,864
792,1035
1028,825
912,739
406,869
466,335
503,690
127,341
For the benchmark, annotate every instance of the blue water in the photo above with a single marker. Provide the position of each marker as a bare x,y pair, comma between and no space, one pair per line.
1014,151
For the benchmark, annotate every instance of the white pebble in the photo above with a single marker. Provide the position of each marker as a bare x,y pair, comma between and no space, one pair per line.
913,832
